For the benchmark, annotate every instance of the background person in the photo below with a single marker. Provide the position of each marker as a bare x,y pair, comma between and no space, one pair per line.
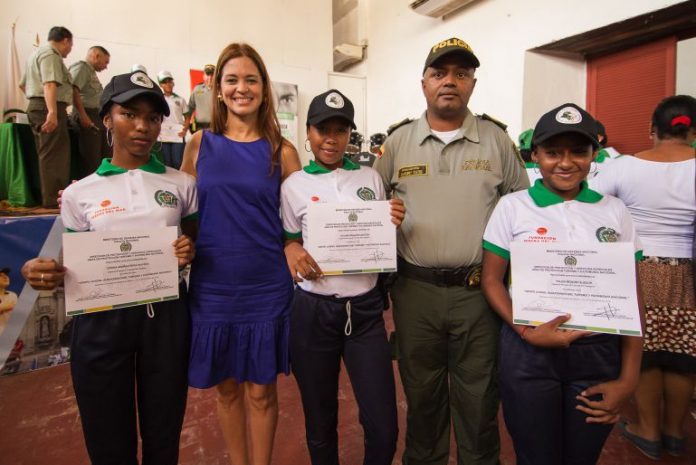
46,83
84,118
201,100
241,289
664,216
175,125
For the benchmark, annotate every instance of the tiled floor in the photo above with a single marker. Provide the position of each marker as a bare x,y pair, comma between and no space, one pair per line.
40,425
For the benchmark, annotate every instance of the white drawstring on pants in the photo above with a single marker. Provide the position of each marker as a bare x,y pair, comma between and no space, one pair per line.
349,325
150,311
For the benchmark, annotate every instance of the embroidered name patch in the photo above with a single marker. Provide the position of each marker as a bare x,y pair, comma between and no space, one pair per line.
476,165
413,170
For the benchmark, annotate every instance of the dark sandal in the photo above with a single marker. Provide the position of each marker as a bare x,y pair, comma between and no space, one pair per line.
651,449
673,446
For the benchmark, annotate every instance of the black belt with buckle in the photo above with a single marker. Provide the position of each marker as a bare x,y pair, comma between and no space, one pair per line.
469,276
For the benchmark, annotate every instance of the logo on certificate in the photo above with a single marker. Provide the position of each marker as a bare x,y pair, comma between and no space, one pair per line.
605,234
353,217
365,193
570,260
166,199
126,246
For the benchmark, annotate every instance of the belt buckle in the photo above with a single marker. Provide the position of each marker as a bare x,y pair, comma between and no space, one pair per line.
473,277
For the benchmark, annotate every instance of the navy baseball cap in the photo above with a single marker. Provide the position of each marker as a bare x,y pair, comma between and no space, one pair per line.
566,118
330,104
125,87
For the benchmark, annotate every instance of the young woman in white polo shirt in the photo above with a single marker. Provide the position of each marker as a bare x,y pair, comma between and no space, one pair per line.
131,359
337,317
561,390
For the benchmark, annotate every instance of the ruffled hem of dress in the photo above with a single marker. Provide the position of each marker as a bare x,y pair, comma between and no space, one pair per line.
253,351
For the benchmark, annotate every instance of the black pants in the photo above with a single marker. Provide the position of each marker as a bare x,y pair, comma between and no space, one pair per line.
318,341
539,387
123,360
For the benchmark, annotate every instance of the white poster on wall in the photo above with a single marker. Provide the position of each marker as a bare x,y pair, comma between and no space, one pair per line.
285,96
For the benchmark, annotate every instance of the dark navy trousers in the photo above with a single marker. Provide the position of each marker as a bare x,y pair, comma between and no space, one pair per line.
123,361
538,389
318,342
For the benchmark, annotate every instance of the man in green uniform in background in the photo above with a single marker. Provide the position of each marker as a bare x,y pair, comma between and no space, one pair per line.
46,83
84,118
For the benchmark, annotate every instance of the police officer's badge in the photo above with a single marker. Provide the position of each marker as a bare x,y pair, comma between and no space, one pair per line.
141,79
365,193
605,234
166,199
568,115
334,100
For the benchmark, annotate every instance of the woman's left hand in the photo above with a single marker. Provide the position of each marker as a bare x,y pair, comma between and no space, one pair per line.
184,249
398,211
606,411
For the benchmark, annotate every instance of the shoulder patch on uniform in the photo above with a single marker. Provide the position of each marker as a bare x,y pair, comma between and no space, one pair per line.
498,123
396,126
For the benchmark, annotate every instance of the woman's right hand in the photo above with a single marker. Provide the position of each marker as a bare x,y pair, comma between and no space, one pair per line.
550,336
302,265
43,274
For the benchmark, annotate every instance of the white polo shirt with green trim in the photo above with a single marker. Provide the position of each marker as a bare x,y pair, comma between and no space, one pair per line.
539,215
116,199
314,183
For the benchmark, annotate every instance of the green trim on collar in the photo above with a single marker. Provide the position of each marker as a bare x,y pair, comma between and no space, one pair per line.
639,255
153,165
501,252
602,155
531,165
315,168
290,235
543,197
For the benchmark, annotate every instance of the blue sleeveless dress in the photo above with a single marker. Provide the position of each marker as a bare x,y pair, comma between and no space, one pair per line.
240,288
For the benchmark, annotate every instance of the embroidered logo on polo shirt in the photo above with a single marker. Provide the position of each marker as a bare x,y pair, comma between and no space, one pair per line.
413,170
315,198
476,165
365,193
542,235
105,203
166,199
542,231
605,234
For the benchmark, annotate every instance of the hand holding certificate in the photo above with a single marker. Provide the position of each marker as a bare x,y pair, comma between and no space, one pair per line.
116,269
348,238
593,282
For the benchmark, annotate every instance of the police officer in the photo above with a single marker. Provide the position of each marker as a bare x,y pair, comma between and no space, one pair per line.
47,85
84,118
201,101
450,168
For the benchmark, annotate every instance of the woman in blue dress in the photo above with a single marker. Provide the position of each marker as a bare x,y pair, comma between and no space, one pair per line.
241,289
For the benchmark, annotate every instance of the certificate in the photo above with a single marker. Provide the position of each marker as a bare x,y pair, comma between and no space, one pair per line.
116,269
349,238
594,282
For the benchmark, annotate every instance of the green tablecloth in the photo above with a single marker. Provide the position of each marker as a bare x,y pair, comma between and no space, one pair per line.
19,166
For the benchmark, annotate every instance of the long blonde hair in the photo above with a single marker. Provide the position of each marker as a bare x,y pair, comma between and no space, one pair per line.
267,121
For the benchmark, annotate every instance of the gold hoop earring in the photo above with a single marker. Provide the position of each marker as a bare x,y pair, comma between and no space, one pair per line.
305,146
109,137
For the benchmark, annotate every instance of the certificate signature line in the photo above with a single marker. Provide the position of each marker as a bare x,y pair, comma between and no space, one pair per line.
155,285
607,311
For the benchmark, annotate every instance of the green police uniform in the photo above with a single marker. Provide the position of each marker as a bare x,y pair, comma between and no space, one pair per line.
447,336
92,141
201,102
46,65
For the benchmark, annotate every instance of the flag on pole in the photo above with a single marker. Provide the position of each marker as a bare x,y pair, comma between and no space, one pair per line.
13,99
